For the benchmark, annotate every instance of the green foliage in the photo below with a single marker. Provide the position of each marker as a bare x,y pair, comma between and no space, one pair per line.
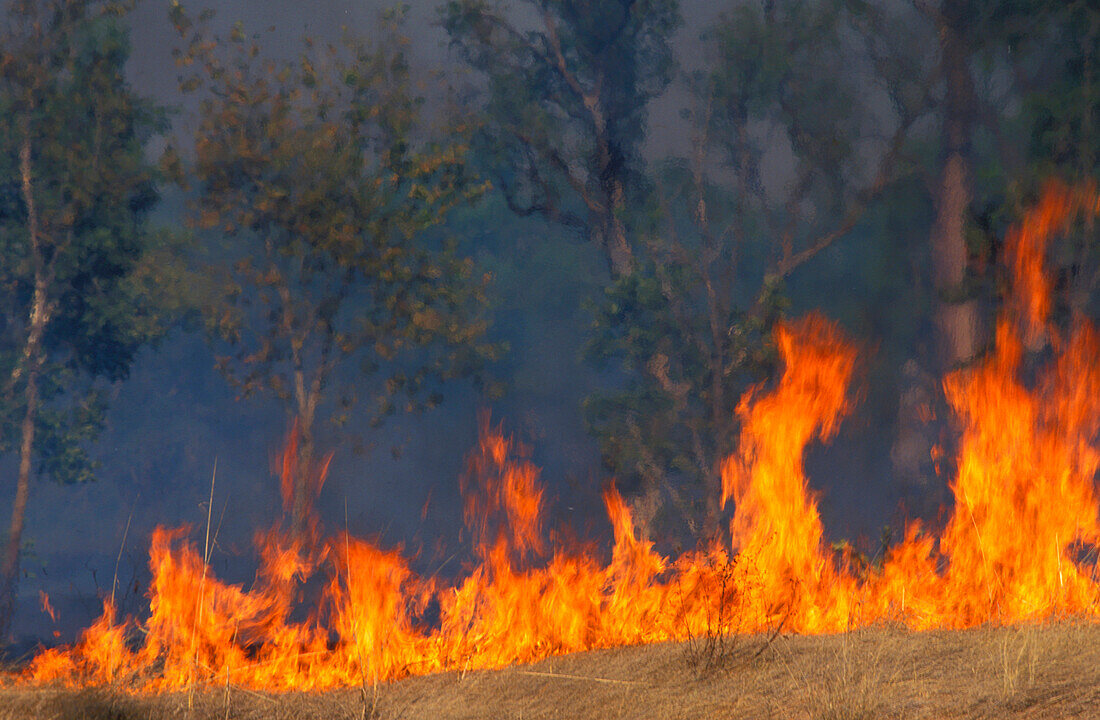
1061,118
64,436
63,93
566,105
690,329
686,354
1040,125
784,66
781,90
323,197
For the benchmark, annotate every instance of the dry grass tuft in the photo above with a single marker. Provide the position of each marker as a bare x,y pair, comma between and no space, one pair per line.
853,682
723,646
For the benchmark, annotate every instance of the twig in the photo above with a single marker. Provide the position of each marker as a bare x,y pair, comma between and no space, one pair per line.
202,590
981,549
227,691
245,690
209,510
442,565
567,676
355,631
253,693
121,546
774,634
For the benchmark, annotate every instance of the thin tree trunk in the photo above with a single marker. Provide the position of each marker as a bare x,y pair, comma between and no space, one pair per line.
619,253
40,312
300,514
610,231
307,407
958,330
10,571
957,319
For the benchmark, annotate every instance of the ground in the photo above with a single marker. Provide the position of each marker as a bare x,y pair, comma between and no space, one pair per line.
1045,671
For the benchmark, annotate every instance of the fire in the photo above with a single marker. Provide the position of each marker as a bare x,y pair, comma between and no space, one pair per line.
47,607
776,524
1025,510
1025,491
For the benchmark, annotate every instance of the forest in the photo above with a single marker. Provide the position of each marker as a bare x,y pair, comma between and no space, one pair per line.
333,253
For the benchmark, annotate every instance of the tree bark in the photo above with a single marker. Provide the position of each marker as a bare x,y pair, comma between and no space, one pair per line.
39,317
300,505
10,571
301,502
957,318
616,244
609,229
957,321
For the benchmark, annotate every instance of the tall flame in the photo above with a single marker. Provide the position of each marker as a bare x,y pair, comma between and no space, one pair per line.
776,525
1025,507
1026,486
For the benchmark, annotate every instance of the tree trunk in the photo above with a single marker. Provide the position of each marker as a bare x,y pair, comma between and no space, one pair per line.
32,357
644,506
619,253
307,410
301,499
922,411
957,317
10,571
611,163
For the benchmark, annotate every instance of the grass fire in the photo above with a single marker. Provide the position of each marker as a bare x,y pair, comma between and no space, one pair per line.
549,358
1019,546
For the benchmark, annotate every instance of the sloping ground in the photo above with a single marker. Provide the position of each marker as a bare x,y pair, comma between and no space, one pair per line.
1048,671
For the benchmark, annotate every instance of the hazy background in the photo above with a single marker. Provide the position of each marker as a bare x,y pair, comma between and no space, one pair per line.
176,417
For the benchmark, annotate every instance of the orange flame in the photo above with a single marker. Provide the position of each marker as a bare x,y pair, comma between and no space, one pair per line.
1025,490
1025,505
44,601
498,489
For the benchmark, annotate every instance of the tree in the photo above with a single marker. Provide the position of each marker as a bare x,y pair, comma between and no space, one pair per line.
1059,71
316,180
1010,76
567,100
75,188
1055,60
783,130
957,313
1038,51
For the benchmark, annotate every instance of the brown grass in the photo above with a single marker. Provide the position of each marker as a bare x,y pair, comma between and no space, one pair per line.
1044,671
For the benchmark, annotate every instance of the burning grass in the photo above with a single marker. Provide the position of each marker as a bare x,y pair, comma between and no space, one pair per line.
1015,551
1027,671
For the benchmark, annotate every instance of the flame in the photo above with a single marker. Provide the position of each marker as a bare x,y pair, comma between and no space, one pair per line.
47,607
1025,491
1025,485
498,489
1025,512
776,523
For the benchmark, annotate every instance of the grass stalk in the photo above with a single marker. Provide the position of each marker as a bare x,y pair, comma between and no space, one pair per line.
202,597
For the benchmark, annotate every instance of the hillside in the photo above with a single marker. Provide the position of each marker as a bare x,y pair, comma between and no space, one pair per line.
1048,671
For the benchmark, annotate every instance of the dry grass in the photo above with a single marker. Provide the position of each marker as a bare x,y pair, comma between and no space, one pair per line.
1046,671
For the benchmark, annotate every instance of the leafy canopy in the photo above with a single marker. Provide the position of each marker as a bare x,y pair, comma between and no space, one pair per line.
63,92
324,194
